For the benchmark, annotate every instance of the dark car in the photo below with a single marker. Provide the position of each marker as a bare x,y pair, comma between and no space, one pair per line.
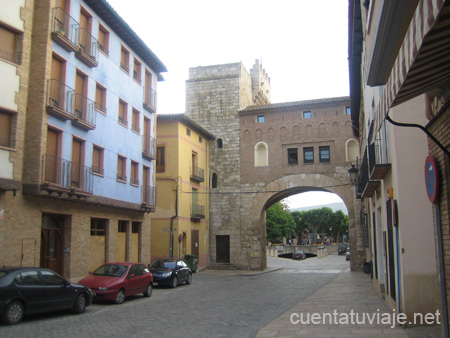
25,291
170,271
116,281
342,248
299,255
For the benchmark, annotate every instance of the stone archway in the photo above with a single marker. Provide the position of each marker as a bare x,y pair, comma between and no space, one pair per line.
253,215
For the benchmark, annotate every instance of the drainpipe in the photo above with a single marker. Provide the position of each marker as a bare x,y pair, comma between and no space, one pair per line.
172,219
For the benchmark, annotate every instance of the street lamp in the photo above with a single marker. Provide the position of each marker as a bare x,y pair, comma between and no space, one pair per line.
353,172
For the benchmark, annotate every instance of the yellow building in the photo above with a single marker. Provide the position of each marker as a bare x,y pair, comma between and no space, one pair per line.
180,224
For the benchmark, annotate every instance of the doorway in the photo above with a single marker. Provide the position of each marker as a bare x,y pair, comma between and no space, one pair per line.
52,242
223,249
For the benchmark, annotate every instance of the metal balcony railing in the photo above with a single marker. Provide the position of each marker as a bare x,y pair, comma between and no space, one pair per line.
197,212
66,175
87,48
64,29
150,99
84,111
60,99
148,146
366,186
149,195
197,174
378,160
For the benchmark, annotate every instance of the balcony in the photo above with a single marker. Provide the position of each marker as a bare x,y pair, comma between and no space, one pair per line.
148,197
197,174
60,100
366,186
197,212
63,176
148,147
150,99
84,112
87,48
64,30
378,162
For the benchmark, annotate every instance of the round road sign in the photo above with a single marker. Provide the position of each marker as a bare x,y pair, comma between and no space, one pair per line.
431,178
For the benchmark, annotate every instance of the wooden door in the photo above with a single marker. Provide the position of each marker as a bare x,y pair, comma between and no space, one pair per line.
56,88
148,88
52,242
84,38
146,185
51,160
147,140
76,163
195,244
80,100
223,249
122,241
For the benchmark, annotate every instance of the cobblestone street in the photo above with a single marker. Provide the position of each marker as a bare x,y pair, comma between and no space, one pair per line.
217,304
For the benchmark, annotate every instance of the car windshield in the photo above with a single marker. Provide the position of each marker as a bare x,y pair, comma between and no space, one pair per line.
163,264
111,270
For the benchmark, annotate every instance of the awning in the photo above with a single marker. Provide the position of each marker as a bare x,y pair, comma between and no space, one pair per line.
423,61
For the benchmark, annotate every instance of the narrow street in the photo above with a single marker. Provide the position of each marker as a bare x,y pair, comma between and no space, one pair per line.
216,304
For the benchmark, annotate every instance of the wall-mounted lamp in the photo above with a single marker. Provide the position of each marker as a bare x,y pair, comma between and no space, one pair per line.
353,172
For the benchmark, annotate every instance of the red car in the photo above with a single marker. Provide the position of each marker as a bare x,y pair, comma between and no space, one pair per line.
116,281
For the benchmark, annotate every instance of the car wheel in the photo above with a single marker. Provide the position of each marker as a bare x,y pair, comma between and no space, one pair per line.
149,290
14,313
79,306
174,282
189,280
120,296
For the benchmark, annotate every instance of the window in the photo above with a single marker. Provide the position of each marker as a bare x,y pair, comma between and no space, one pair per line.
123,112
214,181
134,174
160,159
8,45
98,227
135,121
188,132
292,156
103,39
348,111
100,98
30,278
219,143
306,114
125,59
324,154
137,70
135,226
6,126
51,278
122,226
121,168
308,155
97,160
200,139
261,119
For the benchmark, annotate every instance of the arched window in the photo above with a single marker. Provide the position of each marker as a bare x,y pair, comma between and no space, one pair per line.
219,143
261,154
214,180
351,150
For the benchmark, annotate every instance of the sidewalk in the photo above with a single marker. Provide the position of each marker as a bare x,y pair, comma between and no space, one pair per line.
348,292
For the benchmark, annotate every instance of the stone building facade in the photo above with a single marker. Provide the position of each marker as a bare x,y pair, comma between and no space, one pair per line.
252,161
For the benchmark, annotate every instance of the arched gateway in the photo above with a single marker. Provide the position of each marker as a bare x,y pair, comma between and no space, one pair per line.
268,152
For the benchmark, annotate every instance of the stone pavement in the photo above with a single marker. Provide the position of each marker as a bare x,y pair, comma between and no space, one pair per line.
349,292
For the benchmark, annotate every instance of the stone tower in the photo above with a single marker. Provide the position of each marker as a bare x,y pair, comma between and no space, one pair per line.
214,96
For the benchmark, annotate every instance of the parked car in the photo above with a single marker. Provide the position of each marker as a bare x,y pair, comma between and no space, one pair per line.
25,291
171,271
299,255
347,254
116,281
342,248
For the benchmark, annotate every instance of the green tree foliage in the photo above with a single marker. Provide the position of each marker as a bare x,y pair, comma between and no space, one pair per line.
321,220
279,222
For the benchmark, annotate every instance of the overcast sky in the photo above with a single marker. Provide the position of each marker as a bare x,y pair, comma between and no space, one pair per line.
303,44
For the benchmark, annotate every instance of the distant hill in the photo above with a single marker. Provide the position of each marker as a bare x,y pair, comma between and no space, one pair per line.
334,206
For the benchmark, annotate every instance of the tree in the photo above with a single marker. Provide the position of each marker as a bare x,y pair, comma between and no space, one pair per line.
279,223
